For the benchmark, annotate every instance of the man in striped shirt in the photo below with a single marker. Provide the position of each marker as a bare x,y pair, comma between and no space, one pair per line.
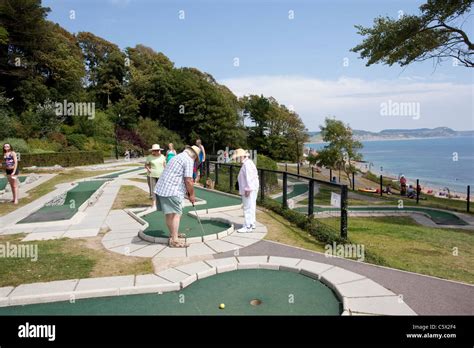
175,183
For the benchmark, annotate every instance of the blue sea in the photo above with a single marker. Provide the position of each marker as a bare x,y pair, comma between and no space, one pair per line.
433,160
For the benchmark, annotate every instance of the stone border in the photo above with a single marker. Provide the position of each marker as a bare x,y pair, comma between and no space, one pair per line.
358,294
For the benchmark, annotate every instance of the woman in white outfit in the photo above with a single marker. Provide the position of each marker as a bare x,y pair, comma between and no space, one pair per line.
248,189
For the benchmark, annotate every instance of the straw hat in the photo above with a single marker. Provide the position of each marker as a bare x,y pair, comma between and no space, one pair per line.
156,147
195,149
240,153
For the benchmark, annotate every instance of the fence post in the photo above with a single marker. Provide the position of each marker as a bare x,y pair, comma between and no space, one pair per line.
417,191
285,191
330,174
216,169
353,182
344,211
208,169
381,185
312,172
286,167
468,197
298,166
310,199
231,178
262,185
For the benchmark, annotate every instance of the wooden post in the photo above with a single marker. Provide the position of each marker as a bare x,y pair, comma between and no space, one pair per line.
468,197
344,211
381,185
231,178
353,182
417,191
330,174
262,185
311,199
285,191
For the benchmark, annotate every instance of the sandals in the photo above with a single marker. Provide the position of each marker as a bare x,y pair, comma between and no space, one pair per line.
181,235
177,244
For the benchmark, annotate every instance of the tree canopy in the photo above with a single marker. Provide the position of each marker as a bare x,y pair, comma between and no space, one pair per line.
436,33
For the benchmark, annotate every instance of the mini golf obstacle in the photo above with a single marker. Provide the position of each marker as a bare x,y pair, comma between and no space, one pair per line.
4,181
119,173
154,226
64,207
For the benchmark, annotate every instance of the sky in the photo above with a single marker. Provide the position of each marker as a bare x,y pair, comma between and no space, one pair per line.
296,51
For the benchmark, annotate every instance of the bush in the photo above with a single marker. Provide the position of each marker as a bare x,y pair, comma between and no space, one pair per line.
77,140
19,145
43,145
271,179
64,159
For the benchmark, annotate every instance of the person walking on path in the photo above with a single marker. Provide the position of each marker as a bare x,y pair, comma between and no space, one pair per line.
175,183
248,189
170,153
154,165
11,170
202,158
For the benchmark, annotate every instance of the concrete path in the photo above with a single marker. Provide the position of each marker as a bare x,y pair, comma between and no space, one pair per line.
424,294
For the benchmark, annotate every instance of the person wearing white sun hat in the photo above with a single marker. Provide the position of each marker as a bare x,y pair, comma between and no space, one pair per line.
248,188
154,165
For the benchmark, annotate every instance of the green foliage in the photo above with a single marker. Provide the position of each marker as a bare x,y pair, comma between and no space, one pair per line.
43,145
64,159
152,132
77,140
19,145
342,148
435,33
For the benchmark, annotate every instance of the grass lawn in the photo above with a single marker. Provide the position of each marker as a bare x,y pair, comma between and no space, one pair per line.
405,245
282,231
67,259
131,197
50,185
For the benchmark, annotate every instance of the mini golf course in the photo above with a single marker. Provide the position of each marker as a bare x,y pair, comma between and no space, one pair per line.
4,182
243,292
117,174
439,217
73,200
189,224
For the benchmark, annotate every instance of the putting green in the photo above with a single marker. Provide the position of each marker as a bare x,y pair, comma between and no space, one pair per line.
298,189
439,217
4,181
189,225
116,174
74,199
280,293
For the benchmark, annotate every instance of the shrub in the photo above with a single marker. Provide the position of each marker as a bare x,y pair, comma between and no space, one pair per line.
64,159
43,145
77,140
271,179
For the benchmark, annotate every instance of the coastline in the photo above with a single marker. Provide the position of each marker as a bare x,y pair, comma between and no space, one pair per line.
393,139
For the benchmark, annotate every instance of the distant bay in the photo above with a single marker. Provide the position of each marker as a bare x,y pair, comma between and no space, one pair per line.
437,162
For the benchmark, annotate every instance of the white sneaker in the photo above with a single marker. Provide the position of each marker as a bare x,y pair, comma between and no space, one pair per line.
253,227
244,229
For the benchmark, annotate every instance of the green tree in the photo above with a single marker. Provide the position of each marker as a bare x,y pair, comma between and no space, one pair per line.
436,33
341,150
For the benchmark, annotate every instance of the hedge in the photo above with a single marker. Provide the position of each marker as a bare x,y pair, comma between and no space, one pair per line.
64,159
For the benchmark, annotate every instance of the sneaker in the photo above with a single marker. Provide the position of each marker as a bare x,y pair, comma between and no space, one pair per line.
244,229
253,227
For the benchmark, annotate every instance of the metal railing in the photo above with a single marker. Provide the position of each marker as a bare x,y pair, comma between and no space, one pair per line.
223,173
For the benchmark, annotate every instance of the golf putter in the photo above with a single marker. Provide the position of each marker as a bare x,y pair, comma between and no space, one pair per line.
197,216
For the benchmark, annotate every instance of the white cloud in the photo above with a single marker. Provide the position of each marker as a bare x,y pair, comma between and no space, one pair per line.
357,101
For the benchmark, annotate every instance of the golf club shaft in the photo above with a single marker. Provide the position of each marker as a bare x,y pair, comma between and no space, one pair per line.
197,216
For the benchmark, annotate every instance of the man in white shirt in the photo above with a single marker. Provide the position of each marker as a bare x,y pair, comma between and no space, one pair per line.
248,189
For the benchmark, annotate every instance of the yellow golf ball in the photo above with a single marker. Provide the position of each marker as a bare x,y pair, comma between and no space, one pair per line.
222,306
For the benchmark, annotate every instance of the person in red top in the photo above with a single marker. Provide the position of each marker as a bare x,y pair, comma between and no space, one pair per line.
403,186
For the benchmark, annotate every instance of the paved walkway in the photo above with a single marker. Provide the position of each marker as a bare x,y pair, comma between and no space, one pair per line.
424,294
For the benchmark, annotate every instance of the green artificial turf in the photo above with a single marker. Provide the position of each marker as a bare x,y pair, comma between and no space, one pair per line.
280,293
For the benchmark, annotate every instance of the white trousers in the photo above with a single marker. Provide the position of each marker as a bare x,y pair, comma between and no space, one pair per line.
250,207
